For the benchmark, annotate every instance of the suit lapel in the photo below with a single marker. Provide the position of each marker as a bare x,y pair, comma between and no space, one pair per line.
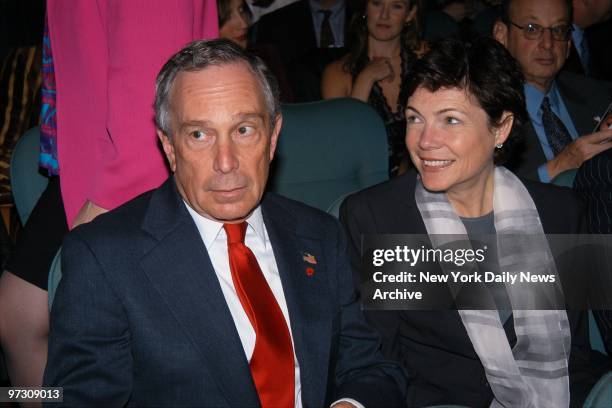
306,293
411,220
580,112
181,271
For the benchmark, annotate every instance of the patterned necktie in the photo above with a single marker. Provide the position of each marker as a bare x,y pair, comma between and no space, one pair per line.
272,364
327,35
556,132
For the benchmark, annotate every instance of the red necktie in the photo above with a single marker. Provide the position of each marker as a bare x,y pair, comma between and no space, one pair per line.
272,364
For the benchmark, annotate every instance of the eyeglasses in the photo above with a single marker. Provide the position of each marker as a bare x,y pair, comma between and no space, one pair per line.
559,32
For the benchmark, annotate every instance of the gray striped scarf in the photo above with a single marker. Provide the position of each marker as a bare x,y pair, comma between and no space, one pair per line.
535,372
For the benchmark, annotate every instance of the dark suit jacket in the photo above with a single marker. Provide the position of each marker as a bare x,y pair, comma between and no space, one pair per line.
598,40
433,346
140,319
290,30
584,99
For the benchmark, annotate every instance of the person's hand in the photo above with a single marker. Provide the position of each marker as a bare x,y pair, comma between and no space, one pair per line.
379,69
88,212
579,151
606,123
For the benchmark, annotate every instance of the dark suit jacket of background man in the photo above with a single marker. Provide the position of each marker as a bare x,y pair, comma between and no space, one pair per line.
156,329
584,98
598,39
290,29
433,346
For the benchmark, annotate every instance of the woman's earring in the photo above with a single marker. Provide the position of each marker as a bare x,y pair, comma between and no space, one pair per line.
499,145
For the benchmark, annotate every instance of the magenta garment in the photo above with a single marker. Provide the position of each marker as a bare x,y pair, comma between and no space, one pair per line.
107,54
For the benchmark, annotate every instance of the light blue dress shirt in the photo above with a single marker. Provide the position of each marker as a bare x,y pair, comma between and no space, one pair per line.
336,21
534,98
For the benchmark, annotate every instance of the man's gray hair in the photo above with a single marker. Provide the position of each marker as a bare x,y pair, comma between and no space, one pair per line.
201,54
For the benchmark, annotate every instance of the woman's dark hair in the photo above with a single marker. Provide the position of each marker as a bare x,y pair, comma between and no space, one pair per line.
486,71
224,11
358,35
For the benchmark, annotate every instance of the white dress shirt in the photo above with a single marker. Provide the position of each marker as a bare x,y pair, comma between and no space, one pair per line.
257,239
215,240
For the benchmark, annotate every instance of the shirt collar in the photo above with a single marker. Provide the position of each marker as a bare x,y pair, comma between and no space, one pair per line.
336,8
577,36
210,229
534,98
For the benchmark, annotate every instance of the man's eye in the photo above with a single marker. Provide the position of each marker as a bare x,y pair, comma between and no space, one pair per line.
532,28
560,30
245,130
198,134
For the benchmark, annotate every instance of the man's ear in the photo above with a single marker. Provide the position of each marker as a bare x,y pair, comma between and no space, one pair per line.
278,123
500,33
168,147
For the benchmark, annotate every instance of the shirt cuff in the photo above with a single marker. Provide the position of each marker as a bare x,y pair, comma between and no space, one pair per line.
543,173
357,404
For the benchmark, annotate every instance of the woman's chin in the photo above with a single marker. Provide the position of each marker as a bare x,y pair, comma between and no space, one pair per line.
435,186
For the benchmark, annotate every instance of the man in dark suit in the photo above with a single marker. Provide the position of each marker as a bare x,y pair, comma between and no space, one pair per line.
308,34
590,53
562,107
201,293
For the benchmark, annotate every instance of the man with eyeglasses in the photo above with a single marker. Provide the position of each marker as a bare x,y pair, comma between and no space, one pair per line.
562,107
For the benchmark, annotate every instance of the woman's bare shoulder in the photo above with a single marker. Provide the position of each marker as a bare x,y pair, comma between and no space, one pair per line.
336,81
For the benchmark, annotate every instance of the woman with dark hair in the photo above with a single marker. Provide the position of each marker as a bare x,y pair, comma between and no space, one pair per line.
384,40
465,112
234,19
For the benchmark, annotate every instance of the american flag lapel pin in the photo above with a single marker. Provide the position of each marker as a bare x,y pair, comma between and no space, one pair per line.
312,260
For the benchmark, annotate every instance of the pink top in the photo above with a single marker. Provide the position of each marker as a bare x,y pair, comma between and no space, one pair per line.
107,54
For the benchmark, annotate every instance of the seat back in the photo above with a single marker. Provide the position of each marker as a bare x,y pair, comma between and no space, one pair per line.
601,394
27,183
595,337
565,178
328,149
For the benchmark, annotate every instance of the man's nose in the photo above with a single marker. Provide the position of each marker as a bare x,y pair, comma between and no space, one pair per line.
547,39
226,159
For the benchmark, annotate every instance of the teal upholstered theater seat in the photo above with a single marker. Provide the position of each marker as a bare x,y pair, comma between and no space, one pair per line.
565,178
328,149
27,183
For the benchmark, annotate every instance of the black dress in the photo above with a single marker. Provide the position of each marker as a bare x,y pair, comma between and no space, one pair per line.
395,122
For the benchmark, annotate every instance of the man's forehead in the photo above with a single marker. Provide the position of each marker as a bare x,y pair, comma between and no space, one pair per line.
235,83
539,10
218,73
